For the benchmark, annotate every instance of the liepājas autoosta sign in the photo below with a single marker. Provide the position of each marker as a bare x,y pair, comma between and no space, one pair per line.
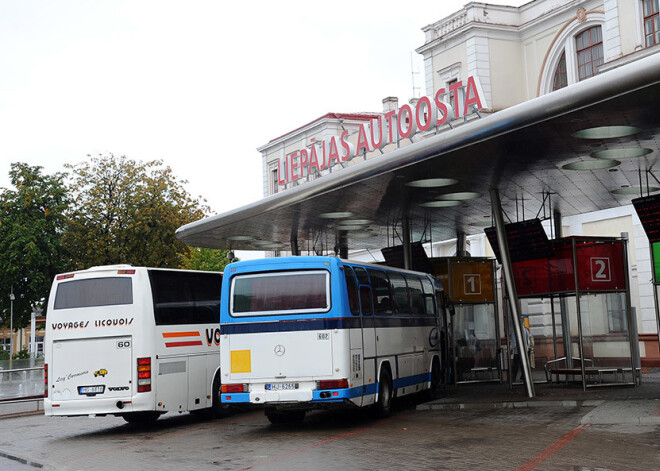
384,129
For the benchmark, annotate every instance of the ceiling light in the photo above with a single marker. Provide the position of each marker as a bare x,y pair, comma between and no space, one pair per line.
240,237
271,246
634,190
361,235
431,182
337,215
482,224
462,195
440,204
260,243
621,153
359,222
591,164
348,227
606,132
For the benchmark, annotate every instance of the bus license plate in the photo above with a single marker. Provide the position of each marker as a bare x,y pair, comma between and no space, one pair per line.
91,389
281,386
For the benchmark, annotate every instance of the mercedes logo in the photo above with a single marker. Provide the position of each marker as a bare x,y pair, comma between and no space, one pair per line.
279,350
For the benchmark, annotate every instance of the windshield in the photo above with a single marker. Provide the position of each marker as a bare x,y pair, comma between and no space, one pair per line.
94,292
281,292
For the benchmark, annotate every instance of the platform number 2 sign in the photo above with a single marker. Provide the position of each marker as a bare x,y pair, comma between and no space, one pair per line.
600,269
472,283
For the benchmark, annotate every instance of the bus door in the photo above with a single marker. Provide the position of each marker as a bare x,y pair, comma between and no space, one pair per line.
367,314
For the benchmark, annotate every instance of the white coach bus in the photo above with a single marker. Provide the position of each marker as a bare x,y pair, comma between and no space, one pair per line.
300,333
133,342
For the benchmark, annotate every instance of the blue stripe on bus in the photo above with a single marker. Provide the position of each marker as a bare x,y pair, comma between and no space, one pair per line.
235,397
411,380
338,395
325,324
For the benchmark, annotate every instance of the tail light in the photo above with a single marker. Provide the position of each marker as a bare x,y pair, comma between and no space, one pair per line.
333,384
234,388
45,379
144,374
64,277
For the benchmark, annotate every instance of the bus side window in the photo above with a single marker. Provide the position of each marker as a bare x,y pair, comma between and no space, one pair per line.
429,296
401,299
380,286
352,289
361,274
366,302
416,296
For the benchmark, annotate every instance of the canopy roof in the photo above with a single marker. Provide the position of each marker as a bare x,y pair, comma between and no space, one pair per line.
522,151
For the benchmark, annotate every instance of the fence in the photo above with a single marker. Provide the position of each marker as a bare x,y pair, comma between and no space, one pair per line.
21,378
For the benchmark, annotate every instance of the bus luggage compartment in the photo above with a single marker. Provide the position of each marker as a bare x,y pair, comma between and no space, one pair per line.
281,356
96,368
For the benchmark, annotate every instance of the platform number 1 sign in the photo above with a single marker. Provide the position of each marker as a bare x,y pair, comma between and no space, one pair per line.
472,283
600,269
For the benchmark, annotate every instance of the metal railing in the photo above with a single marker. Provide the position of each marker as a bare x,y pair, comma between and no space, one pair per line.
21,379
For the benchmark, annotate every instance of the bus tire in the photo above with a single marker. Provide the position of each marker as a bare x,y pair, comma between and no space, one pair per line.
385,394
218,409
141,418
436,380
284,416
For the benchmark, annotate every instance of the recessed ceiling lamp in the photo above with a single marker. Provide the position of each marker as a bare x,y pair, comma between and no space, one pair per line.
359,222
260,243
622,153
482,224
431,182
272,246
440,204
240,237
460,196
361,235
337,215
591,164
606,132
634,190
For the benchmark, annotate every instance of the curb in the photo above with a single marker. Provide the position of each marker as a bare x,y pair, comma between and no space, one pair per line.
507,405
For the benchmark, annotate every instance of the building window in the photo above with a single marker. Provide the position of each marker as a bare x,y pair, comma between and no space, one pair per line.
5,343
561,77
273,184
651,22
589,48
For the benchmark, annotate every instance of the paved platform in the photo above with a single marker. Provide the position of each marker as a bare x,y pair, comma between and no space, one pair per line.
611,404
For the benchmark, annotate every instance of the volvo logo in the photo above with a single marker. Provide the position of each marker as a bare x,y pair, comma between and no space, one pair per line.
279,350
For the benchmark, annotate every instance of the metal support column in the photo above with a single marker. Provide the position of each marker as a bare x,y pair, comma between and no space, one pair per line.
511,288
294,245
461,244
405,235
563,306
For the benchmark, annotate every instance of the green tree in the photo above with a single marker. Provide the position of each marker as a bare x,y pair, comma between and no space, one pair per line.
126,211
206,259
32,220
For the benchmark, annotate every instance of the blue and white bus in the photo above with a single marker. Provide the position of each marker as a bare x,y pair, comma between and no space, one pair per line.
302,333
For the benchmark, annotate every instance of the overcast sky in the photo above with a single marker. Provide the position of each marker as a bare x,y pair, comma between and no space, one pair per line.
199,84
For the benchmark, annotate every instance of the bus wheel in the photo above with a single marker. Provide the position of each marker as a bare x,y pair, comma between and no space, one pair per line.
436,381
385,394
284,417
218,409
141,418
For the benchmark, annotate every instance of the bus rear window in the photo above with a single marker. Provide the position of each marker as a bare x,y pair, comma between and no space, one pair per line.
94,292
280,293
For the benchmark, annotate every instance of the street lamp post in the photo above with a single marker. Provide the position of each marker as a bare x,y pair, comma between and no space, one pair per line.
11,323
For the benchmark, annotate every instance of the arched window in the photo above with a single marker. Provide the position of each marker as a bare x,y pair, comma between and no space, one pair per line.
561,78
651,22
589,48
575,53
